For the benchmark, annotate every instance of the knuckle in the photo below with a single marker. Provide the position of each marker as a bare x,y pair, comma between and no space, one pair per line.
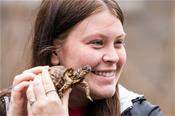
36,83
53,101
41,105
17,78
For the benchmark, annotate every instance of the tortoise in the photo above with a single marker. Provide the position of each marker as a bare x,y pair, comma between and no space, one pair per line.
64,79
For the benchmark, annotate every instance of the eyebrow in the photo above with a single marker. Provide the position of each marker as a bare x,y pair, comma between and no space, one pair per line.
121,36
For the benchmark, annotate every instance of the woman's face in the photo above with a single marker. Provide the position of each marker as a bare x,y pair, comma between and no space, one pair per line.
96,41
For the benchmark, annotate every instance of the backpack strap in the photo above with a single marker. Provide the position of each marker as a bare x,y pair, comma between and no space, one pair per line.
4,101
141,107
3,108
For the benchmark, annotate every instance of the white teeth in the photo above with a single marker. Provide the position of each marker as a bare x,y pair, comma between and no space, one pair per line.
105,74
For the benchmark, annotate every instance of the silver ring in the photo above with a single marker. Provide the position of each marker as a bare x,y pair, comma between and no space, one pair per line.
50,91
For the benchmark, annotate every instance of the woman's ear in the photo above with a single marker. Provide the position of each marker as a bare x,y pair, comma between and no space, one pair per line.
55,58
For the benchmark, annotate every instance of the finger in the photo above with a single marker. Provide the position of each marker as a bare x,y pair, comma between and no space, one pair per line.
38,88
18,92
48,84
65,98
30,94
23,77
36,70
21,87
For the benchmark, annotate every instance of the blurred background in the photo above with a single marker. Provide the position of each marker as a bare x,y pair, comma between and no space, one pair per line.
150,28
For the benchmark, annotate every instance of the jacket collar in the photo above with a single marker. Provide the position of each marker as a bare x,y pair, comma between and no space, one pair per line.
125,97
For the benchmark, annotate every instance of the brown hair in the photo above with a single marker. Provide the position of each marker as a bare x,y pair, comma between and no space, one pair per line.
57,17
54,21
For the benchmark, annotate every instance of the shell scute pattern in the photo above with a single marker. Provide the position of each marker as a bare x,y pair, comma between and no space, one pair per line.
64,79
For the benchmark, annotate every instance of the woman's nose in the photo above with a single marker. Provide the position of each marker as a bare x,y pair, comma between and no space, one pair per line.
110,56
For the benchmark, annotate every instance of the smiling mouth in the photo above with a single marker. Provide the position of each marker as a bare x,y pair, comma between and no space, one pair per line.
104,73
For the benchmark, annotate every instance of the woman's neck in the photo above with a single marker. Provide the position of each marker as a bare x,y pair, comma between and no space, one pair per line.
78,98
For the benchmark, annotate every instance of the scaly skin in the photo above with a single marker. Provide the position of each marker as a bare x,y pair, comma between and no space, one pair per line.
64,79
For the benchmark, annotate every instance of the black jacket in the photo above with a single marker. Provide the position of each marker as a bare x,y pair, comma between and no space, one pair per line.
141,107
133,104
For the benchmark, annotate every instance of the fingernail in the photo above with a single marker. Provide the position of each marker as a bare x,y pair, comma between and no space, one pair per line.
46,67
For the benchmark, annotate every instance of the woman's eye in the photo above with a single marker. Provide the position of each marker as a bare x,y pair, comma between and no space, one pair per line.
97,42
119,43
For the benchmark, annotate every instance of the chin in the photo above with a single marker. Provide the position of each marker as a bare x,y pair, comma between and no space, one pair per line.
104,94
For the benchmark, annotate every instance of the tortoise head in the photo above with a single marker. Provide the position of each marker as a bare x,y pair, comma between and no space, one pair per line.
84,71
87,68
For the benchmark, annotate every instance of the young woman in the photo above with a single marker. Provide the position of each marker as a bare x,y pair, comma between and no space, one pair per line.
73,33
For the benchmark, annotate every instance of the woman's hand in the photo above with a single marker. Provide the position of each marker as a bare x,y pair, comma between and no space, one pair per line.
18,102
43,99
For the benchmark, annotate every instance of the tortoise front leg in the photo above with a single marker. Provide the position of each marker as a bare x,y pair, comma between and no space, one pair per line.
84,84
65,87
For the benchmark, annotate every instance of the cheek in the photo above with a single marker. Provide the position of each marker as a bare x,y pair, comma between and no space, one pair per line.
79,57
87,58
122,57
